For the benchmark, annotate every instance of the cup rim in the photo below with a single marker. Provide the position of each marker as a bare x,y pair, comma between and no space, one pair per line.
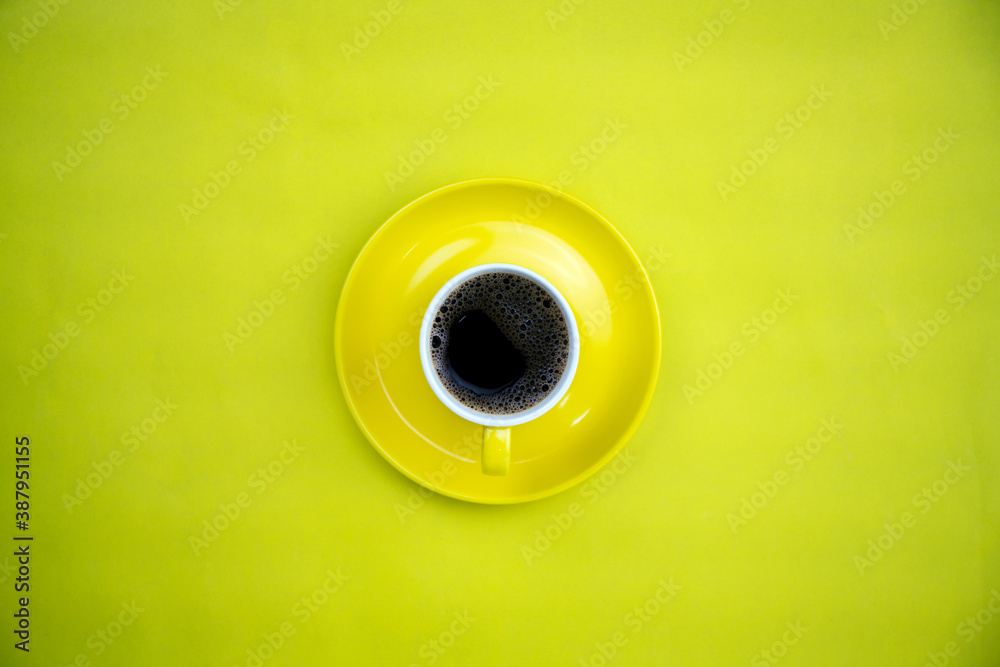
475,416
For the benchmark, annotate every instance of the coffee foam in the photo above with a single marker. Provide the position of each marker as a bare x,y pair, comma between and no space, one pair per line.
530,319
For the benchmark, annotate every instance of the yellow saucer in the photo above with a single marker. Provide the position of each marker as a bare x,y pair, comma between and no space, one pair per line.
479,222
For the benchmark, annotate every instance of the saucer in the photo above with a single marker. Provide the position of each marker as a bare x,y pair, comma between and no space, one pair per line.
479,222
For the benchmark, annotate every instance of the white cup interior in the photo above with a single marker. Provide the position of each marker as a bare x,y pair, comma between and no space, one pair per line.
453,404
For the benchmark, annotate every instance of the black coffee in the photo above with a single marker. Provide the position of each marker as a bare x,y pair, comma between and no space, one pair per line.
499,343
483,374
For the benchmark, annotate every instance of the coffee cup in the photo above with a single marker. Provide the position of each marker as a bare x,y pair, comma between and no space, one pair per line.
499,346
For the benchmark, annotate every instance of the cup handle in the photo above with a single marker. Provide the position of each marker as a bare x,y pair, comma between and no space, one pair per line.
496,451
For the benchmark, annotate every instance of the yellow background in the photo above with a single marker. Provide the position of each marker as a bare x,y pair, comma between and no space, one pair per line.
337,503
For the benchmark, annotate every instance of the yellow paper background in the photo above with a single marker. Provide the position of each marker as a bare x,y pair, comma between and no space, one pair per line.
337,504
